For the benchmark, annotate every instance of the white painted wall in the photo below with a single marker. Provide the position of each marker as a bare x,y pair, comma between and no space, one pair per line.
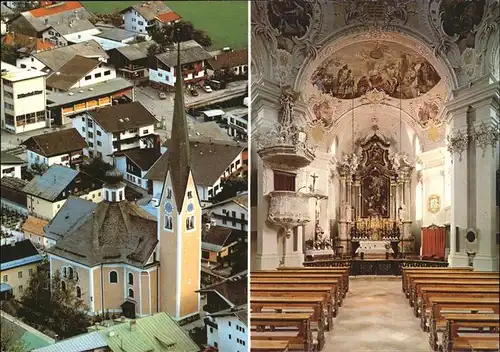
7,170
53,36
97,75
30,62
35,158
231,335
167,77
82,36
134,22
229,207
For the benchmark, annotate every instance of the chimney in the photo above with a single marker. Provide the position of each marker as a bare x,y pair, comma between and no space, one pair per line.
133,325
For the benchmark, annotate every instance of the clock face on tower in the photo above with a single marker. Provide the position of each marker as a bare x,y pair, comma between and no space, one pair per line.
190,207
168,207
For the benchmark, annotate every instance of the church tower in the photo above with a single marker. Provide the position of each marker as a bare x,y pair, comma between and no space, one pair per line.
179,223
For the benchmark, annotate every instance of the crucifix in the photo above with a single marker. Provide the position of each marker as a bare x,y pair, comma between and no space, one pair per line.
313,187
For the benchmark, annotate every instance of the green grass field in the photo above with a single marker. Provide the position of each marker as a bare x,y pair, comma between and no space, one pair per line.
225,21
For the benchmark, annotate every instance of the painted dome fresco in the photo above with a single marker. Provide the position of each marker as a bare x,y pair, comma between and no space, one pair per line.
385,66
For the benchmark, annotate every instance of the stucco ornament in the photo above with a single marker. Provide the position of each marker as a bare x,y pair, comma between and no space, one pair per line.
486,135
377,12
457,143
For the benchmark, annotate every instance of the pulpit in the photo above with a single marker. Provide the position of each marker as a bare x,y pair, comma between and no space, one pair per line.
374,249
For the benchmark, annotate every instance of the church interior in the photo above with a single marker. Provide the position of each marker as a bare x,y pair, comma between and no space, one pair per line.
375,159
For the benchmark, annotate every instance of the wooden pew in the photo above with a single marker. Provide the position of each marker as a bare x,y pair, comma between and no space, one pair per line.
463,275
303,341
314,303
337,281
452,341
301,274
423,304
437,322
409,271
416,292
327,292
484,345
270,345
332,270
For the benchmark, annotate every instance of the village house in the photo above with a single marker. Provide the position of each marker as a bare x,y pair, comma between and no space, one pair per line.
135,163
230,213
64,147
159,333
228,293
118,35
219,243
11,165
46,194
28,45
140,17
33,231
62,106
193,63
227,330
23,99
230,62
212,161
116,128
52,60
131,61
128,261
80,72
12,196
69,31
18,262
36,22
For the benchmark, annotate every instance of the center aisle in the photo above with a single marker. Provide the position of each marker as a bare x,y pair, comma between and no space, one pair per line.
375,316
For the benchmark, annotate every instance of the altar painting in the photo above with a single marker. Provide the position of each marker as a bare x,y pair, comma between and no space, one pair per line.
375,192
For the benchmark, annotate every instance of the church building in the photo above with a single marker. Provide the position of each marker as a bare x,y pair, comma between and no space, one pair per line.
125,260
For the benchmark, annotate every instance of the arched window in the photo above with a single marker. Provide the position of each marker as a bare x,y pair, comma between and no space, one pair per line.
63,285
78,292
65,274
113,277
70,272
130,293
130,278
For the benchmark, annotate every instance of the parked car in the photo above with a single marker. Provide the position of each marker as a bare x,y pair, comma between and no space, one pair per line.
207,89
194,92
162,95
216,85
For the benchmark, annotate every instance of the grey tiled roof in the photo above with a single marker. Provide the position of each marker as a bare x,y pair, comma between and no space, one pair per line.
191,51
7,159
135,51
116,34
115,232
71,215
49,185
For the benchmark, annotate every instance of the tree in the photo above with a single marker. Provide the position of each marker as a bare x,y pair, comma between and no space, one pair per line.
10,340
181,31
97,168
39,169
115,18
21,6
9,53
230,188
50,303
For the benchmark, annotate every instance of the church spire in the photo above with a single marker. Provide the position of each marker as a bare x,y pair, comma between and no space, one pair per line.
179,163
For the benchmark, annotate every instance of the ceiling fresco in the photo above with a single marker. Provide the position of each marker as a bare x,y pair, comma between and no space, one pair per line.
385,66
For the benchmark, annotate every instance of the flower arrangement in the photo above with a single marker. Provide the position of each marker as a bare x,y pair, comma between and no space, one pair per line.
319,244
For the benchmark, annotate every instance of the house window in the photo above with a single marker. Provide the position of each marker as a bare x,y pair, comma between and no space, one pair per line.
107,73
229,323
21,289
130,278
130,293
98,132
145,131
88,77
97,75
190,223
30,272
113,277
99,143
229,336
91,145
190,194
20,274
5,278
90,123
284,181
63,285
168,222
140,23
83,128
78,292
169,193
23,66
211,330
91,135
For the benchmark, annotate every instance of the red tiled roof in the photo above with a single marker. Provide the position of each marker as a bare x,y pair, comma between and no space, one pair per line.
55,9
168,17
30,43
229,59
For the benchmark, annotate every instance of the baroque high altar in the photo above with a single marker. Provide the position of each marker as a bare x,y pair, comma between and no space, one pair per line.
372,120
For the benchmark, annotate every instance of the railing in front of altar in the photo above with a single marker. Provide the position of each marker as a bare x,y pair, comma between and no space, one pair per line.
376,266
